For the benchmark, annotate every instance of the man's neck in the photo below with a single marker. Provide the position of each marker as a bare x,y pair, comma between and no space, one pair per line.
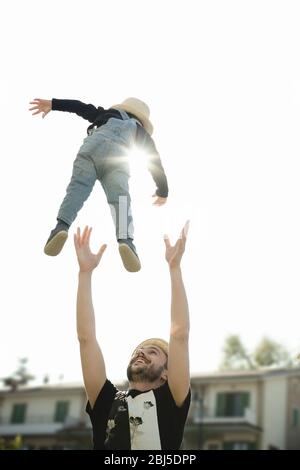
145,386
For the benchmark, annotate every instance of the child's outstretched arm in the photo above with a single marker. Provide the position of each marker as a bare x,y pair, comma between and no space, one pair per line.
86,111
146,143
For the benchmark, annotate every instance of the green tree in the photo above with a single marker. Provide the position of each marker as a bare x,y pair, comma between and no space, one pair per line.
268,353
20,377
14,444
235,356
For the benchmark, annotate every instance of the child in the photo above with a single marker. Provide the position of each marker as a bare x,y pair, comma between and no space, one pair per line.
104,156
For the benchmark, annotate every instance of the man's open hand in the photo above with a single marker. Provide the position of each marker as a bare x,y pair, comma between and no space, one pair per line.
86,259
174,253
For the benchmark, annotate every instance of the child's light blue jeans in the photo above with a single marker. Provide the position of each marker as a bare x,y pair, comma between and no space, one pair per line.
104,156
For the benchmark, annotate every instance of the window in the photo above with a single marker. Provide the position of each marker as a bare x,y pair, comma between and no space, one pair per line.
213,446
295,417
61,411
18,413
232,404
239,445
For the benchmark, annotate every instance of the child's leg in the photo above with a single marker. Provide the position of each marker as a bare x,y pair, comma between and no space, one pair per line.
115,185
81,184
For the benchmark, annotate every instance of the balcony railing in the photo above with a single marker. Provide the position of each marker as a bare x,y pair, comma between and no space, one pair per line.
41,419
38,425
209,418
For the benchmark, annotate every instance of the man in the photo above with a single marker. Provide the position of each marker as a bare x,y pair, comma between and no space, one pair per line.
152,413
104,155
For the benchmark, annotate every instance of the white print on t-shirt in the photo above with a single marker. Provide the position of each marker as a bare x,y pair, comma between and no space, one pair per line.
144,430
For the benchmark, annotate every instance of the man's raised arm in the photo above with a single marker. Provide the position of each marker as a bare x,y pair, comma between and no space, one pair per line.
92,362
178,360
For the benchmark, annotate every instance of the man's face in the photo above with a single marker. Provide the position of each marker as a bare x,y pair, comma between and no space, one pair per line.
147,364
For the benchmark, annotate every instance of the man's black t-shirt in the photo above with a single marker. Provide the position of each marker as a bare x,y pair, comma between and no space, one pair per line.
135,420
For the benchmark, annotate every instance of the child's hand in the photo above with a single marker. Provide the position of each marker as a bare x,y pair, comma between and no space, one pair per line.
41,106
159,201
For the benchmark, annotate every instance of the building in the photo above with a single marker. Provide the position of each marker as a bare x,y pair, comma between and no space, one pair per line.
47,417
230,410
245,410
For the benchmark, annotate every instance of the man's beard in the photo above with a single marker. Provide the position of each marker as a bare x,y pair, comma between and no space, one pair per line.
144,373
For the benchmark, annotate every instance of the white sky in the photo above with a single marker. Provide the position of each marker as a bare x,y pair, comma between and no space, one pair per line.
222,80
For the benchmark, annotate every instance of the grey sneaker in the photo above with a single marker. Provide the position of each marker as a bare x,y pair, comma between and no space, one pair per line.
129,255
57,239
